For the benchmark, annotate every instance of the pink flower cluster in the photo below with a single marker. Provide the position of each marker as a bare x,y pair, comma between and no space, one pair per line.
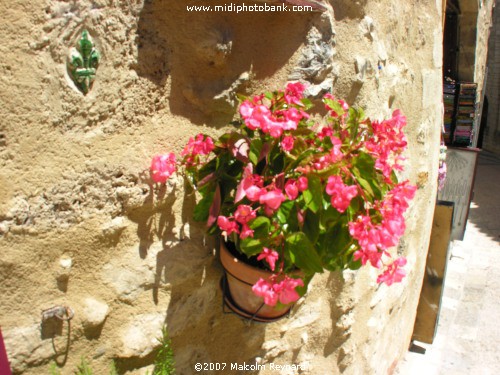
200,145
388,143
375,239
341,194
252,187
335,155
257,115
264,175
162,167
283,291
242,216
294,187
294,92
269,197
393,272
270,256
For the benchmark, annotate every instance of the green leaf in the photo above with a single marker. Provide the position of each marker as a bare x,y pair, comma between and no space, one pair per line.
252,246
335,106
330,217
260,226
287,215
255,150
364,184
307,103
277,162
335,243
202,208
365,173
302,253
301,157
355,264
365,163
394,177
353,122
311,226
313,195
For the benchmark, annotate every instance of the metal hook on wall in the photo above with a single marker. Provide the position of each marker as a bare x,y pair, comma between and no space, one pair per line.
52,326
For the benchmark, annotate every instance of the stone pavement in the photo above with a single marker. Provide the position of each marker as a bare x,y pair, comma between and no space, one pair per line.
468,335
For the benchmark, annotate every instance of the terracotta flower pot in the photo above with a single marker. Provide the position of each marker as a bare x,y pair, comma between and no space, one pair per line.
240,278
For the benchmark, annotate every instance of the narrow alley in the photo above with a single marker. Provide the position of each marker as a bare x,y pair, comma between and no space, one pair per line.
468,334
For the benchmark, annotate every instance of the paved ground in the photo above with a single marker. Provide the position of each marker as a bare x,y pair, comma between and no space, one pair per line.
468,336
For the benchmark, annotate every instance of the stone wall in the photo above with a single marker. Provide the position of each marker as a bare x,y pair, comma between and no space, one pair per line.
491,141
82,225
484,25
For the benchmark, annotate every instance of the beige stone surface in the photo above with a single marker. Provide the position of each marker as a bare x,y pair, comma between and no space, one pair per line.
74,183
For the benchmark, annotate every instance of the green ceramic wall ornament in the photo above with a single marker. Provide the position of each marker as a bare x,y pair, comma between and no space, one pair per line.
83,62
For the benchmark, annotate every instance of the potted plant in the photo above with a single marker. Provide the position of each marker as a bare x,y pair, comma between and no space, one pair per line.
295,194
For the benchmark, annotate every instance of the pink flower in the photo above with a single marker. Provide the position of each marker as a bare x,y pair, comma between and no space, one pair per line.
227,226
200,145
300,216
254,193
264,289
275,128
244,214
393,273
344,104
258,117
240,149
270,257
272,199
387,143
374,257
369,240
335,153
291,189
286,290
325,132
162,167
293,114
250,185
302,183
246,181
294,92
246,109
283,291
246,231
287,143
341,194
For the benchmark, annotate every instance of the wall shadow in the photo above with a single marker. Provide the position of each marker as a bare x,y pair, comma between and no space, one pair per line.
197,326
484,213
209,57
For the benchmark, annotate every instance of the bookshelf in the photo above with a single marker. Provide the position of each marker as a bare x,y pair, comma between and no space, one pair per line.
449,96
459,99
465,111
